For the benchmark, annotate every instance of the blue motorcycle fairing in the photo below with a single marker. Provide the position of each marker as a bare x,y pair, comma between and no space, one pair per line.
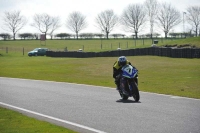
129,71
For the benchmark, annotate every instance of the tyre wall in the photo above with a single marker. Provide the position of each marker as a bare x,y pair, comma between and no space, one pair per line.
166,52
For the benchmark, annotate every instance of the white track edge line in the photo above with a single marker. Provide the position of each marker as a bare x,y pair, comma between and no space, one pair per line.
53,118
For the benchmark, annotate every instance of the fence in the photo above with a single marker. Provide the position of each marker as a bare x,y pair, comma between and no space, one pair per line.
22,50
167,52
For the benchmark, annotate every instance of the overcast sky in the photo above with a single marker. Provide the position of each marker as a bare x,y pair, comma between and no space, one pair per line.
90,8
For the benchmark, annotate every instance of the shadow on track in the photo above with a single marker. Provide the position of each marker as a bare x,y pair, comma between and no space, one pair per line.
127,101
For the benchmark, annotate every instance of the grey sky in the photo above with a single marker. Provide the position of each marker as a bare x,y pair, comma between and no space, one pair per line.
90,8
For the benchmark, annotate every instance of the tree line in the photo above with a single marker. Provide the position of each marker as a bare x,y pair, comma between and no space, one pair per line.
133,18
65,36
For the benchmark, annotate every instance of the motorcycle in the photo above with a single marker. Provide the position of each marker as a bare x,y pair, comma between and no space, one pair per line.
129,83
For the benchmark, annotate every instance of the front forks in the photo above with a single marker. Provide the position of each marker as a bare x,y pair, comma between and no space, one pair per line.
124,86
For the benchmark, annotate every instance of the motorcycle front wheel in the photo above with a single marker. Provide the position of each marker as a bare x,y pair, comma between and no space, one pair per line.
124,97
135,92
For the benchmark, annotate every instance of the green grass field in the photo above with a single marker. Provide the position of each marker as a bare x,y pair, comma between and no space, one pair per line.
165,75
89,45
173,76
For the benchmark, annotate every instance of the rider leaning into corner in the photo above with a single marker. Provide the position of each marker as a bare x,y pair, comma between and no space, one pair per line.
122,61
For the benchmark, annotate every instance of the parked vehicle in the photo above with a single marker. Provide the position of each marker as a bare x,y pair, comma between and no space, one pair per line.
38,52
129,83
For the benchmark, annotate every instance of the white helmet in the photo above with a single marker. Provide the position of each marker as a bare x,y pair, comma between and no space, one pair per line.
122,60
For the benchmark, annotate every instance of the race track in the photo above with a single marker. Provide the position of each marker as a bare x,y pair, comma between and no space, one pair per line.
86,109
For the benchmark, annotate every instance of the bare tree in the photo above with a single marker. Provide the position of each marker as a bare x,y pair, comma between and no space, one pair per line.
133,17
106,21
42,22
193,17
168,17
76,22
14,21
55,25
151,9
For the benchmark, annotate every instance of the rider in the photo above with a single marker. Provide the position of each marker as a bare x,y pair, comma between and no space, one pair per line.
122,61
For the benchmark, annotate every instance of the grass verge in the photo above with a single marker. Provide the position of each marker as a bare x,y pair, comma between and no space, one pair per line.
174,76
14,122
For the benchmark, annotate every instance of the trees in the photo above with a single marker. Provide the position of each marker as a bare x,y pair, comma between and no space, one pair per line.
45,22
168,17
55,25
133,17
14,21
99,35
87,35
117,35
152,35
106,21
76,22
36,36
26,35
42,22
193,17
151,9
5,36
63,35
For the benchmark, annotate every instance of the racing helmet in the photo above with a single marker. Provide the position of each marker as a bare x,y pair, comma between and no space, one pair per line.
122,61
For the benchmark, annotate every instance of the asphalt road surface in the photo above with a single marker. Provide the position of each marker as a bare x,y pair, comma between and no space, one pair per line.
88,109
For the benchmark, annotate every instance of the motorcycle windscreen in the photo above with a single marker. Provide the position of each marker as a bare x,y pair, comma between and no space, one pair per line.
129,72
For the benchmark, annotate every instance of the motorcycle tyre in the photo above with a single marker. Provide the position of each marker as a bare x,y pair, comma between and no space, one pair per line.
124,97
135,91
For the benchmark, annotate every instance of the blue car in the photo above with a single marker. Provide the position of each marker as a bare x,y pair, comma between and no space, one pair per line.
38,52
